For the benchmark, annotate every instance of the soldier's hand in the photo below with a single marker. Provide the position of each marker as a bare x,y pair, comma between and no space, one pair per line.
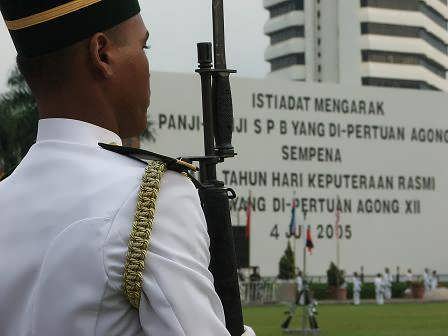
249,331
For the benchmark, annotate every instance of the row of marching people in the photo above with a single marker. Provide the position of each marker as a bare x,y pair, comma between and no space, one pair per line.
383,285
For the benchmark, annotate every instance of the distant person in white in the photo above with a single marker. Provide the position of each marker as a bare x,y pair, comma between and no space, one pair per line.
344,283
299,284
387,281
434,280
409,277
379,289
356,289
427,281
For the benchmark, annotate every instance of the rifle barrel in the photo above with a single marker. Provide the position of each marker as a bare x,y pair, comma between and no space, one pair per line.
218,128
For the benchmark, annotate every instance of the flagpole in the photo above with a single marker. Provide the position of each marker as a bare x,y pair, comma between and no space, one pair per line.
305,282
338,246
304,245
295,253
296,261
293,230
338,253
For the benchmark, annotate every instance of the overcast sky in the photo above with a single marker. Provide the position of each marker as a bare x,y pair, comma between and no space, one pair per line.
176,27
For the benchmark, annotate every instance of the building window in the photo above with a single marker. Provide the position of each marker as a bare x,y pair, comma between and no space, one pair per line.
287,61
287,33
403,58
434,15
410,5
397,83
404,31
285,7
434,41
389,29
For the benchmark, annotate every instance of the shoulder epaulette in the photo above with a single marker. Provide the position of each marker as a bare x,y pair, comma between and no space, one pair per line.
142,155
140,236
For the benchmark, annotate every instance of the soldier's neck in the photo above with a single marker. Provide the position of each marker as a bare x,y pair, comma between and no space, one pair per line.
93,110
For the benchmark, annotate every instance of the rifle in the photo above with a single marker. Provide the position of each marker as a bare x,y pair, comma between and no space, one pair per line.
218,129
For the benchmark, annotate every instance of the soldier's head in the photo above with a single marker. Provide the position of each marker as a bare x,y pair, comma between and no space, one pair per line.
88,53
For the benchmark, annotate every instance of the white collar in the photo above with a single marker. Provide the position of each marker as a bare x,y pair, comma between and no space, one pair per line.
74,131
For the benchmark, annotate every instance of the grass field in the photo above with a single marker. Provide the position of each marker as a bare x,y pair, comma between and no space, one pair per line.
365,320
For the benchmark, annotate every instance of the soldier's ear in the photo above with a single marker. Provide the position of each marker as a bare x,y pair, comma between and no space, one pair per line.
100,54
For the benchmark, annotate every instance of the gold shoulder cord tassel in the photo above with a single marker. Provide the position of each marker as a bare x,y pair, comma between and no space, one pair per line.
141,232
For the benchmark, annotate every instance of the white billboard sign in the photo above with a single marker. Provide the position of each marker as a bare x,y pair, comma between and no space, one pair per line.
377,158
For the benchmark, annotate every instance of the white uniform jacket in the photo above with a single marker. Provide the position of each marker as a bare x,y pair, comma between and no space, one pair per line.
388,280
427,281
379,285
65,218
299,283
357,285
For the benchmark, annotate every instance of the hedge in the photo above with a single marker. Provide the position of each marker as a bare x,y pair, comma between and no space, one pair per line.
321,292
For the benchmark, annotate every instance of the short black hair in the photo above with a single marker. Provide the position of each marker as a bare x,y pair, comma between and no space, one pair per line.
45,71
54,69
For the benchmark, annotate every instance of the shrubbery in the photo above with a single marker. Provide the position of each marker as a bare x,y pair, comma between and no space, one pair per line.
321,292
286,265
335,276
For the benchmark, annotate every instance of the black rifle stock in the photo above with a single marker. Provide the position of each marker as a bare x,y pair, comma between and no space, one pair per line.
218,128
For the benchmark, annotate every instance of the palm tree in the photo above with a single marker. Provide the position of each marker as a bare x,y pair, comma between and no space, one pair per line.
18,123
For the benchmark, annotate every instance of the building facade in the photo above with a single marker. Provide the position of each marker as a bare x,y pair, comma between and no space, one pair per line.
388,43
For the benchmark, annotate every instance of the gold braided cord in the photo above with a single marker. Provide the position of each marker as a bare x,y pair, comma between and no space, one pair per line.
141,232
50,14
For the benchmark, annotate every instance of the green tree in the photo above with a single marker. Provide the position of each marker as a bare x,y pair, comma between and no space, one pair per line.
287,264
18,122
335,276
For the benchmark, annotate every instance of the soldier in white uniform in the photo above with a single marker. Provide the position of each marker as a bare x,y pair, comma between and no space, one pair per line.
379,289
356,289
434,280
409,277
300,298
88,247
387,281
427,281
